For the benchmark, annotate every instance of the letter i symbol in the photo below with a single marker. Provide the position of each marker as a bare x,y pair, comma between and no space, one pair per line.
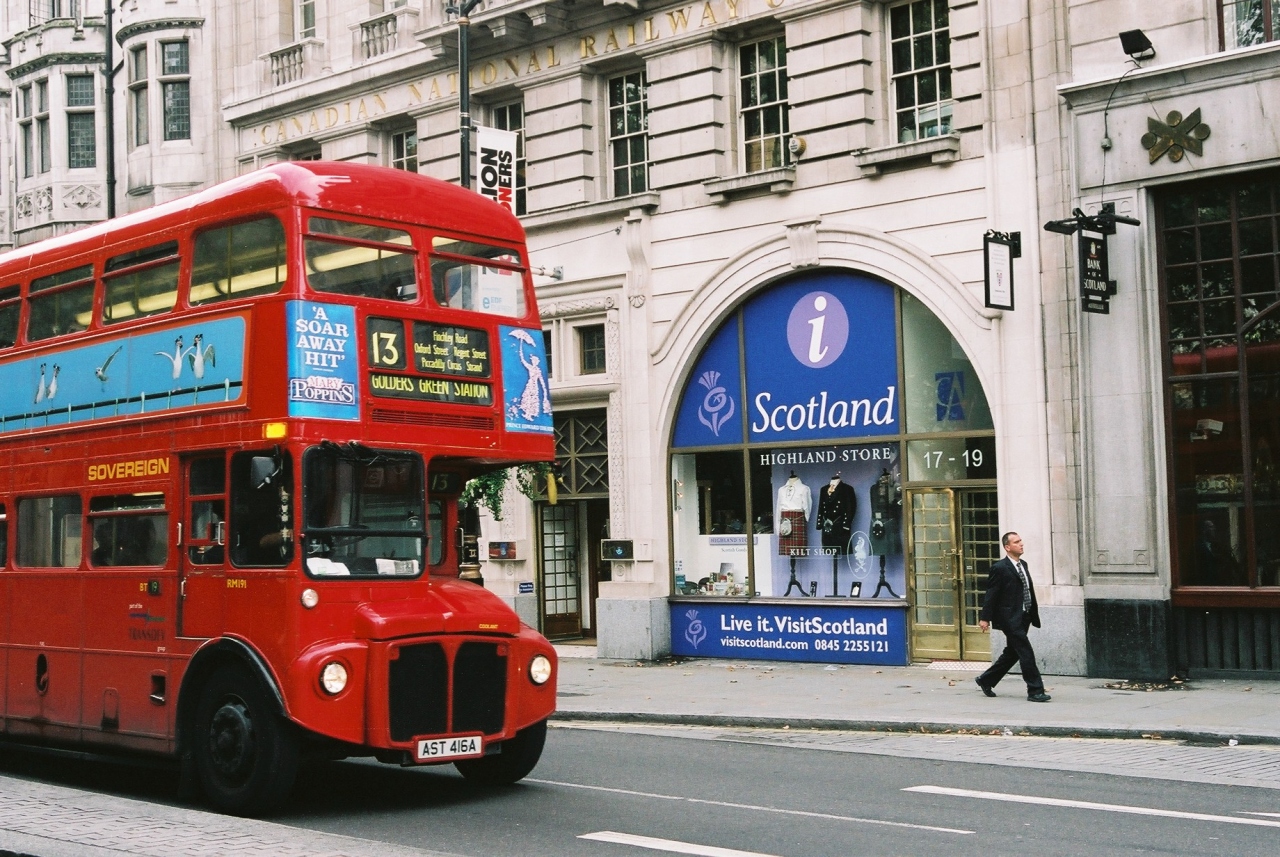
816,349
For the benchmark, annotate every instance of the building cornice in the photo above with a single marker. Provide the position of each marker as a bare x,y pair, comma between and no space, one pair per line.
1205,72
46,60
128,31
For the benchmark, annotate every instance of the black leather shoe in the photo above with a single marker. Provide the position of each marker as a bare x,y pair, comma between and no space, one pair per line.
1038,697
985,689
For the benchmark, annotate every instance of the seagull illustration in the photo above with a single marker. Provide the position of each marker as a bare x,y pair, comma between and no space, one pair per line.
198,353
101,372
53,382
41,392
175,358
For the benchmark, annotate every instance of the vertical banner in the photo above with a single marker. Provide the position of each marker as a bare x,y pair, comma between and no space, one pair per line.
322,361
497,157
1095,288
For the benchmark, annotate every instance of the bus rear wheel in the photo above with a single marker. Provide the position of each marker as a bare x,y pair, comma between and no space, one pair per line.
518,757
246,755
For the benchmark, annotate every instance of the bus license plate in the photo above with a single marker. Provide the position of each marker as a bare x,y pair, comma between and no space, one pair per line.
446,749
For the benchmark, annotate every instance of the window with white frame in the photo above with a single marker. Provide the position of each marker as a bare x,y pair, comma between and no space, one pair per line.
591,349
48,10
82,132
510,117
629,133
920,57
404,150
175,89
139,115
22,107
762,74
1248,22
306,11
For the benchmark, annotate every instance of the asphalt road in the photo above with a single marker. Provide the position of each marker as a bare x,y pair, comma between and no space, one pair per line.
639,791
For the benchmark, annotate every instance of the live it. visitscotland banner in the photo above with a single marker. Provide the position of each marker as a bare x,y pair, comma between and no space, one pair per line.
871,634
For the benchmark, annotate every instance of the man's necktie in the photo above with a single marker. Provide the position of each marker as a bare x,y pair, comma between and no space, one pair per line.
1026,587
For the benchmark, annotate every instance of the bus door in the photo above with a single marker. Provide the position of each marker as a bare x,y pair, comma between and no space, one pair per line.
202,546
130,592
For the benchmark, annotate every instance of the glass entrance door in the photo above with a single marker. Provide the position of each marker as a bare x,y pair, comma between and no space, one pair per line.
953,542
561,582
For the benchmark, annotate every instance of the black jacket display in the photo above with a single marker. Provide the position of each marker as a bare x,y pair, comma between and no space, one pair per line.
836,508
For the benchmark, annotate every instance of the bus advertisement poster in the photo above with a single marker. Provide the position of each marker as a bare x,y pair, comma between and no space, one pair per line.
322,362
170,369
526,397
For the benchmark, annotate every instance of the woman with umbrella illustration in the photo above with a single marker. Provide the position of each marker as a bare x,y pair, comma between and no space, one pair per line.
535,400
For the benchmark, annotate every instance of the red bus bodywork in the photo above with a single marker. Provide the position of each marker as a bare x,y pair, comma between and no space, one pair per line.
208,657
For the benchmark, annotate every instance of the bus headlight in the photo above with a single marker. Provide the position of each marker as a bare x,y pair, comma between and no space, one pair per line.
540,669
333,678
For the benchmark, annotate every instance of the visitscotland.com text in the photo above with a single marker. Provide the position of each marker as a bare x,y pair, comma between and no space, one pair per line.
762,643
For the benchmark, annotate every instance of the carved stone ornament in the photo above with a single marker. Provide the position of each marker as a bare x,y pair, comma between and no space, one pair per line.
82,196
1175,135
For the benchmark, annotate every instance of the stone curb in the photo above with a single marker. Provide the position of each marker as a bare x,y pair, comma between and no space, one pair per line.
909,726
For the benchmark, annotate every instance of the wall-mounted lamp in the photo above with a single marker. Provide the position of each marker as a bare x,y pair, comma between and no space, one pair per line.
1137,45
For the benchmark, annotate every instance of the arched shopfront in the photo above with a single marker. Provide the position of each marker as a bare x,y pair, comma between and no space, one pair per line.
832,480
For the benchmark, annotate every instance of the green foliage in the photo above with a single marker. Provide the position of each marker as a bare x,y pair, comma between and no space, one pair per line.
487,488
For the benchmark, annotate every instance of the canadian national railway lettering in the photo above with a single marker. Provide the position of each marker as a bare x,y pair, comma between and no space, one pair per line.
431,389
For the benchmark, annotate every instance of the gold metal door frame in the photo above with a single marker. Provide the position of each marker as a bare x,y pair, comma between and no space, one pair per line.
951,542
933,576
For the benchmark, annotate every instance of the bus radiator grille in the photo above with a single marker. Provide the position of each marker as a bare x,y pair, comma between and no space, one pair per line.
382,415
418,688
479,688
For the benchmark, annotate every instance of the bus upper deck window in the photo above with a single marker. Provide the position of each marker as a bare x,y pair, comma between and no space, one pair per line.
360,259
61,303
10,307
239,261
460,277
141,283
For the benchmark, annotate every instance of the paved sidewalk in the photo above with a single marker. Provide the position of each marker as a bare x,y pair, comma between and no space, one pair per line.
938,697
42,820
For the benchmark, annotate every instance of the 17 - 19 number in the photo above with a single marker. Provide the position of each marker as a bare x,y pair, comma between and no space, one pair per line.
972,458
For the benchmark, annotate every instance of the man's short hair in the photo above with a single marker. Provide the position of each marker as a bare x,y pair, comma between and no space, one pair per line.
1004,540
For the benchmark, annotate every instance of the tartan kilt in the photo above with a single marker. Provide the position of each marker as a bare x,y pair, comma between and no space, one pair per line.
797,542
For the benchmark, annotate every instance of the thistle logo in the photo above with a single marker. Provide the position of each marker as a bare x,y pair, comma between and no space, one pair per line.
717,406
818,329
695,632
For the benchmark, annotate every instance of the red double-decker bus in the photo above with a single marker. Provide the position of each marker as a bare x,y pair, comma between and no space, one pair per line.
234,432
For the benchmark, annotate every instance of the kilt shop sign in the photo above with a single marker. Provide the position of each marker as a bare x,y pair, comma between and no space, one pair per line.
497,161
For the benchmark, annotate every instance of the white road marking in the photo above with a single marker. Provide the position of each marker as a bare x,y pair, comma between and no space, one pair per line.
669,845
1267,814
752,807
1099,807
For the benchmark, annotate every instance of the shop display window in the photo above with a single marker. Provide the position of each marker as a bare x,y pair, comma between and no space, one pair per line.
1220,290
940,390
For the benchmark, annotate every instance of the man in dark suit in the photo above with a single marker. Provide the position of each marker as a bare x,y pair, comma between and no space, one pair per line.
1010,605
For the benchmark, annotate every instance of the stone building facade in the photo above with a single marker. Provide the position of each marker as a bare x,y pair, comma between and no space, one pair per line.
708,182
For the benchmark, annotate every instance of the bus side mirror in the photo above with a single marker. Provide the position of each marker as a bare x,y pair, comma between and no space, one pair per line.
262,469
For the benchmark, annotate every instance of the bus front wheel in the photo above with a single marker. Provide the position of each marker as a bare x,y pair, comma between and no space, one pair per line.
246,754
518,757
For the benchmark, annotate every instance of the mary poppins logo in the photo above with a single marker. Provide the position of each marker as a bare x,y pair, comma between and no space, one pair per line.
717,406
